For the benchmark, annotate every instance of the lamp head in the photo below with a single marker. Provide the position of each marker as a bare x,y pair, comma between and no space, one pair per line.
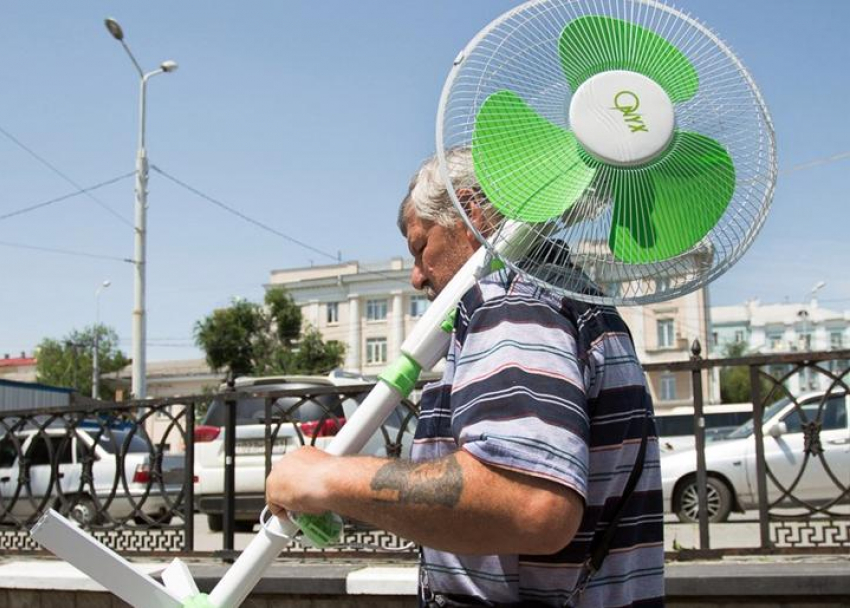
114,28
107,283
168,66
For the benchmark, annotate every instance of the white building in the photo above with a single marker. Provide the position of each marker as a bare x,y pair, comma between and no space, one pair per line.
372,307
783,328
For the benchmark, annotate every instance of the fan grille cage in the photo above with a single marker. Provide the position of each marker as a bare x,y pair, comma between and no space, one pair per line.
519,53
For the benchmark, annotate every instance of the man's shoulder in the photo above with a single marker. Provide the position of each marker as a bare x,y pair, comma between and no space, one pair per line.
502,285
503,288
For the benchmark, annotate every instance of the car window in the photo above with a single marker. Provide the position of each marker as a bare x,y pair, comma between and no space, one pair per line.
716,423
39,452
252,410
8,453
834,415
674,426
322,406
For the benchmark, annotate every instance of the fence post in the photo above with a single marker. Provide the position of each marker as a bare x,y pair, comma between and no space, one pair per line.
189,479
267,437
761,470
229,506
699,436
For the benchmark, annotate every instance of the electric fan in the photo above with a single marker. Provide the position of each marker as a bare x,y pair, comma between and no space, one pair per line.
627,157
630,141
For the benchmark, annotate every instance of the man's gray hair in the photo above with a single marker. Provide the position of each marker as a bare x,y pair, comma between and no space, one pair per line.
428,197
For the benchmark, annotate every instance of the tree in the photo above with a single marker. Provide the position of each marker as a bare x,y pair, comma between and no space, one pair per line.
69,362
253,339
735,386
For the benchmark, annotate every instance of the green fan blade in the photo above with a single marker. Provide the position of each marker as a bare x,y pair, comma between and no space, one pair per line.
663,210
593,44
529,169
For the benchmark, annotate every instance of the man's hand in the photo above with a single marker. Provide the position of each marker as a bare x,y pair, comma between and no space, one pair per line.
297,482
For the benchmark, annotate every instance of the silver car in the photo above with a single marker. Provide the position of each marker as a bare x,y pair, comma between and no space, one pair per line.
807,463
296,421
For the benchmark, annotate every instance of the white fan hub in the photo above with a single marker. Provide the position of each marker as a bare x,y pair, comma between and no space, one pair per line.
622,118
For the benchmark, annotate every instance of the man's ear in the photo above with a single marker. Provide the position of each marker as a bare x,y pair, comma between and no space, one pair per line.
468,199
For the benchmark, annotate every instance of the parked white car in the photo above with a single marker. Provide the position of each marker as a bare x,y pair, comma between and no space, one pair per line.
731,462
142,498
313,422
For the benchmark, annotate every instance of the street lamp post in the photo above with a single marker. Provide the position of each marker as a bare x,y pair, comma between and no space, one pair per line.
95,383
139,384
805,312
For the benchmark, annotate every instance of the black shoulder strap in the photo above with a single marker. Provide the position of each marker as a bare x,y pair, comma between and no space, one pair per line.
602,542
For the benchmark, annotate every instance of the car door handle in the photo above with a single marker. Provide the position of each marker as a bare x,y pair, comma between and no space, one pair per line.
5,479
839,441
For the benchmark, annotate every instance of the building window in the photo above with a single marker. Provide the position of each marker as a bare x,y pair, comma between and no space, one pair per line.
418,306
665,333
332,317
836,340
715,339
739,336
805,341
376,350
668,388
376,310
774,341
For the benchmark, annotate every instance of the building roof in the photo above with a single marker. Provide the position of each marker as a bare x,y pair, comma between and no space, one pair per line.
180,367
35,386
758,314
17,362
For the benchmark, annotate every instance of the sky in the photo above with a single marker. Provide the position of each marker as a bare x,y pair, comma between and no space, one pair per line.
310,117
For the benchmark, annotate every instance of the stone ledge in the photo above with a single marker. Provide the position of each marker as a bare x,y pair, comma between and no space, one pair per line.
763,579
775,582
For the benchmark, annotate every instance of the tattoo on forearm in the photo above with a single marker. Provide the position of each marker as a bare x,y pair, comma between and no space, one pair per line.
439,482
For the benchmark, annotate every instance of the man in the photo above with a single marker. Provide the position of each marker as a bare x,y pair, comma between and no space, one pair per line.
523,448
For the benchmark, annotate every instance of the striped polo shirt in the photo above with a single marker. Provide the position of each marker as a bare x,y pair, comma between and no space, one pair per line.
550,387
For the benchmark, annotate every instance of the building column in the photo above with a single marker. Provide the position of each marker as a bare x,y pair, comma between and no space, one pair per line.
352,353
398,325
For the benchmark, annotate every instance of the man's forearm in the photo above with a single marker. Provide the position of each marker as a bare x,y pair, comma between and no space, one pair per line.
454,503
437,483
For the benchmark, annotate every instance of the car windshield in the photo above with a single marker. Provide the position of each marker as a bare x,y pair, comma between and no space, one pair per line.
746,429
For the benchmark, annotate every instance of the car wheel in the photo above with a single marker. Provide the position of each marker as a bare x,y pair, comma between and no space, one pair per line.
215,522
718,495
84,511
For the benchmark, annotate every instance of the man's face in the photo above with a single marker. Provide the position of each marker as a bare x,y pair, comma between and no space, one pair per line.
438,252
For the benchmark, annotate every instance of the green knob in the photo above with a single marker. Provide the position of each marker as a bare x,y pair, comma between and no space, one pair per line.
321,530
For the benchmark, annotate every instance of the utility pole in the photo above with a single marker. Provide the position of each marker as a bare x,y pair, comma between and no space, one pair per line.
139,385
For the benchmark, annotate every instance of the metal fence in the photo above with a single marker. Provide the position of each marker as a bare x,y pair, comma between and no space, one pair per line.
137,475
790,475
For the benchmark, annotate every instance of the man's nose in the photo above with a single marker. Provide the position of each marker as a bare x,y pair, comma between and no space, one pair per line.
417,277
